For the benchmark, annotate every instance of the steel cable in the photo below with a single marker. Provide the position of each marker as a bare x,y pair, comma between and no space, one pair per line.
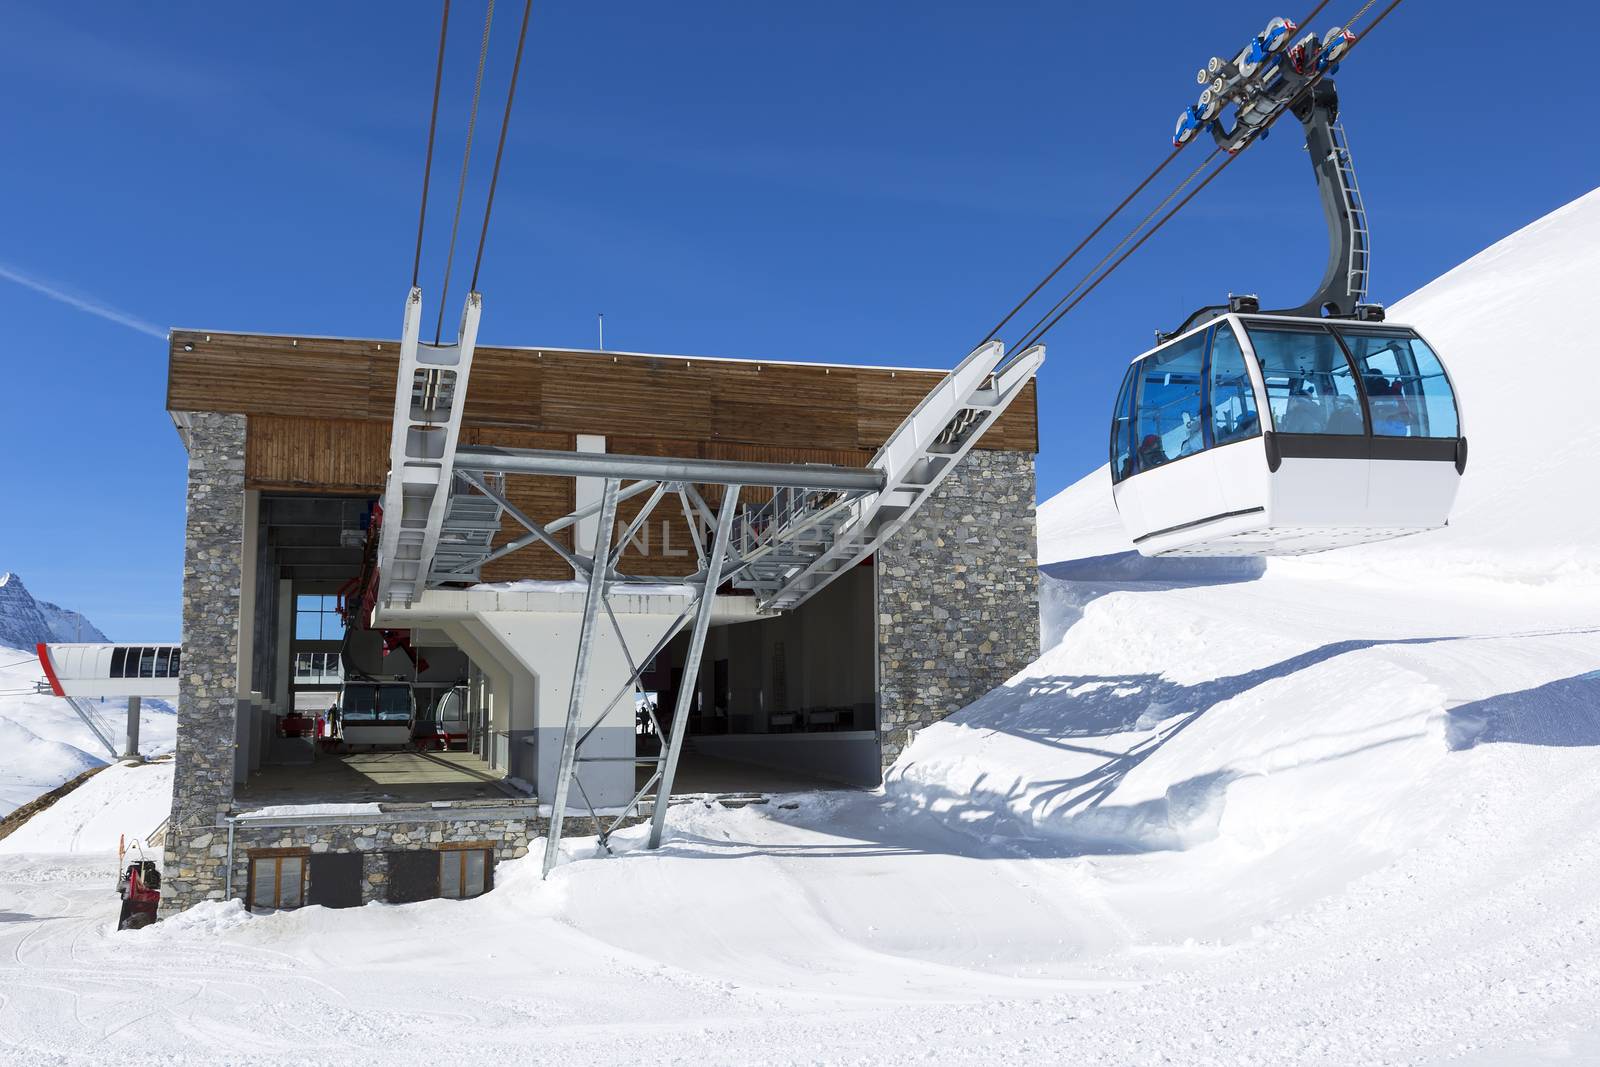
1035,337
1081,244
1070,256
505,121
1028,336
466,159
433,124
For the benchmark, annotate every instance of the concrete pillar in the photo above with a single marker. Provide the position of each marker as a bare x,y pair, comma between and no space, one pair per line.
586,491
511,692
284,686
130,746
249,544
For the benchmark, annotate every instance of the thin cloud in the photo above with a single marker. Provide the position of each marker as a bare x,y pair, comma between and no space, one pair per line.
86,304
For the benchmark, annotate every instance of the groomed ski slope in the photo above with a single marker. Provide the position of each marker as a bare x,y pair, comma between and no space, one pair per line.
1339,811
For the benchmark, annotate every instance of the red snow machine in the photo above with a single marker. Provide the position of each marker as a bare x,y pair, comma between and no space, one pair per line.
140,889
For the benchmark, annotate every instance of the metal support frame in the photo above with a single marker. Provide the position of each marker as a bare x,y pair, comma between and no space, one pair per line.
821,521
580,672
666,762
96,723
691,667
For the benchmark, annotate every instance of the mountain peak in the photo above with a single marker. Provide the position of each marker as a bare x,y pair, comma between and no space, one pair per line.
25,622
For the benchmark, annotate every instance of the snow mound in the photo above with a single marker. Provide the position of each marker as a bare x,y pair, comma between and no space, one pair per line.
123,801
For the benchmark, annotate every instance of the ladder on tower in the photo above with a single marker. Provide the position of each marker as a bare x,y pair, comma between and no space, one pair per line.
1357,268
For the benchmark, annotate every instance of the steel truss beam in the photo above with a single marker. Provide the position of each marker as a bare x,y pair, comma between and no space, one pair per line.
667,469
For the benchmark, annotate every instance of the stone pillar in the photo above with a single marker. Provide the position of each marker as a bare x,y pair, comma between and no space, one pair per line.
208,691
958,596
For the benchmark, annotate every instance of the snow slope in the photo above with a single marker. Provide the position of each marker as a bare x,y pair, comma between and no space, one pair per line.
123,801
1332,813
43,742
1298,738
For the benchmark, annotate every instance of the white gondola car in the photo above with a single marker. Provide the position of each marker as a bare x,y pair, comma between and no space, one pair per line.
376,713
1264,435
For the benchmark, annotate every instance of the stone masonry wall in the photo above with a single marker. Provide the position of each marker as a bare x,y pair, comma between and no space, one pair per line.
202,787
958,596
509,836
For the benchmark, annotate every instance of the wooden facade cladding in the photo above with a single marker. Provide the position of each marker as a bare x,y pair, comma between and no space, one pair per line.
679,399
319,414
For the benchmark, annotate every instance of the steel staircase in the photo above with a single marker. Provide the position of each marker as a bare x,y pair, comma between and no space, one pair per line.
466,536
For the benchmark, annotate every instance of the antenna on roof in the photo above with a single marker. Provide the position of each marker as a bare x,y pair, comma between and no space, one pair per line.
602,317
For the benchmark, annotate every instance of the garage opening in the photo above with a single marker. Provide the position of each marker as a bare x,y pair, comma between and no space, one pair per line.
783,704
354,715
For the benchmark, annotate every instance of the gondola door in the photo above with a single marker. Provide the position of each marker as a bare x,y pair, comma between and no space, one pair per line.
1175,480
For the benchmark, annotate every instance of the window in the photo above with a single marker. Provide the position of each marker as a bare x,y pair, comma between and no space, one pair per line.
394,703
1310,387
163,662
1167,422
1407,391
277,880
176,663
316,618
147,663
118,656
1122,428
463,872
1233,398
317,668
358,702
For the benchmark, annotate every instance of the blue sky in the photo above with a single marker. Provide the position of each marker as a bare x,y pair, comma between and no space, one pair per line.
848,182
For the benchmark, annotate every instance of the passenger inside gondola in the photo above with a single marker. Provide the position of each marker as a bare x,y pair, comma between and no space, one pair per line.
1310,385
1151,454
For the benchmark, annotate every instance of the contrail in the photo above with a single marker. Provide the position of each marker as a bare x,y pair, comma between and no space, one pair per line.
82,303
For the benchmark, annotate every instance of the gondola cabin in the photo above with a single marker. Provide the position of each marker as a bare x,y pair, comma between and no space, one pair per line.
1256,436
376,713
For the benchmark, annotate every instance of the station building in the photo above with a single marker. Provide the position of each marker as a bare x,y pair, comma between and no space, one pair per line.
289,443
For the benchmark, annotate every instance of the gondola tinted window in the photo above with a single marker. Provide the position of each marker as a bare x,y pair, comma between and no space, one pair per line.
1407,391
394,703
1167,417
1310,386
1122,429
1233,399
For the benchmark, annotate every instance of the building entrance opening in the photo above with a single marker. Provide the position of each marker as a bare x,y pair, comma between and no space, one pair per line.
782,704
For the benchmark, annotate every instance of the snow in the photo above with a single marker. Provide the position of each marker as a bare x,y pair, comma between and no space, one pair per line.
125,800
43,742
282,811
1334,810
26,622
